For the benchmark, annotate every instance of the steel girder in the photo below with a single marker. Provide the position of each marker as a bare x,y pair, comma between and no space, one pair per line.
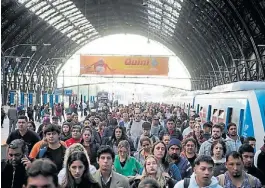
246,26
99,21
126,11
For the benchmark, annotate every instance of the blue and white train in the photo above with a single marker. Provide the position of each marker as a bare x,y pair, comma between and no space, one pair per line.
242,103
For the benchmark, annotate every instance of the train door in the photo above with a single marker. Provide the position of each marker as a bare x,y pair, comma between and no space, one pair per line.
209,112
241,120
228,119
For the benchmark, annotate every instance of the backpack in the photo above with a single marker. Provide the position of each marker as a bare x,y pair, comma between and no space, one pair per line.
186,182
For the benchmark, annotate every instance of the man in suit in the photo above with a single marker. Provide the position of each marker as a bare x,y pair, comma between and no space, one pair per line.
12,116
105,176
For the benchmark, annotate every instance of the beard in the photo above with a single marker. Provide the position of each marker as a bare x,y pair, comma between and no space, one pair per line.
237,175
216,137
14,162
174,156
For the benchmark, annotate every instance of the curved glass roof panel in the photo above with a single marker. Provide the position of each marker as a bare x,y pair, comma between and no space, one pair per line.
64,20
163,15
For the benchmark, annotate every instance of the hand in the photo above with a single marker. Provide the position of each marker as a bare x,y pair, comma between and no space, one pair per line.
166,175
26,162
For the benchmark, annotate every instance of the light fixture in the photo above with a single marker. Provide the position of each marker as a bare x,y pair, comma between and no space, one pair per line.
33,48
18,60
145,3
48,44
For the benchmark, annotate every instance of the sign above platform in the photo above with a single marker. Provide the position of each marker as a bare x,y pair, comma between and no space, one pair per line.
124,65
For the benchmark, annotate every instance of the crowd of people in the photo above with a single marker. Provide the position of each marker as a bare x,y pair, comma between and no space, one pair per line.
139,145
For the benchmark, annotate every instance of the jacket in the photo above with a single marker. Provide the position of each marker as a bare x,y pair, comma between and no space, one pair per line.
131,167
184,166
117,180
193,183
259,159
20,177
93,148
36,148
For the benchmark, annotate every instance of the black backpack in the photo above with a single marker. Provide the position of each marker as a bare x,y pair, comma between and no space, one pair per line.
186,182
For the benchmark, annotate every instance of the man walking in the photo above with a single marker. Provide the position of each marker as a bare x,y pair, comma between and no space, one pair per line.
12,116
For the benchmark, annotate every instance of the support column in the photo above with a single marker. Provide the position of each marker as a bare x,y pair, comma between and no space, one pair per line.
56,99
22,98
12,97
30,98
45,98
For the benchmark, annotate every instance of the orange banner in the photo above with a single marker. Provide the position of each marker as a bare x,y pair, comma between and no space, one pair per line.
124,65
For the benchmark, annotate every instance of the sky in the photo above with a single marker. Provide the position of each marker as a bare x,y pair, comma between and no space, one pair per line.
126,44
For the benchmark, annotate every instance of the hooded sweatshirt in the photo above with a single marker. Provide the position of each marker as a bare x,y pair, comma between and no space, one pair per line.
193,183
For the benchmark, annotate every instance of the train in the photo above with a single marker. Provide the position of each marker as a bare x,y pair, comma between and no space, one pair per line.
242,103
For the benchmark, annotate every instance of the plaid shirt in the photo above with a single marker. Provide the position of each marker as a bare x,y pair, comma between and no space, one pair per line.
245,184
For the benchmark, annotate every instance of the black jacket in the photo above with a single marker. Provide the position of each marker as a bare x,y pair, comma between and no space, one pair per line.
257,173
7,175
93,153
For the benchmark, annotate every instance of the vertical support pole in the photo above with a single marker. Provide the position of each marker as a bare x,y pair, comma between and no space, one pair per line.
12,97
30,98
22,98
45,99
51,101
56,98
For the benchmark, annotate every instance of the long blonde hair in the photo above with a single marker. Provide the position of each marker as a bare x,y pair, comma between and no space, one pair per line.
125,144
159,177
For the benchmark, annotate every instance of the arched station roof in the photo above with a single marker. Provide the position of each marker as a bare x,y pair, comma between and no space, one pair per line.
219,41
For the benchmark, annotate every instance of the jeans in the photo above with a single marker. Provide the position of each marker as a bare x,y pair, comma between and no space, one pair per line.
12,125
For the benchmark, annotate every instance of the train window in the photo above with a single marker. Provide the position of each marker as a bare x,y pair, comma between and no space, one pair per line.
221,114
215,111
215,116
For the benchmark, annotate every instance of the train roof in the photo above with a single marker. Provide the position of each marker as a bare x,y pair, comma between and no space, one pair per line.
240,86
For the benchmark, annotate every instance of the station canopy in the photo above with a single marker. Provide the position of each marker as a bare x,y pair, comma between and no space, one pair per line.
219,41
